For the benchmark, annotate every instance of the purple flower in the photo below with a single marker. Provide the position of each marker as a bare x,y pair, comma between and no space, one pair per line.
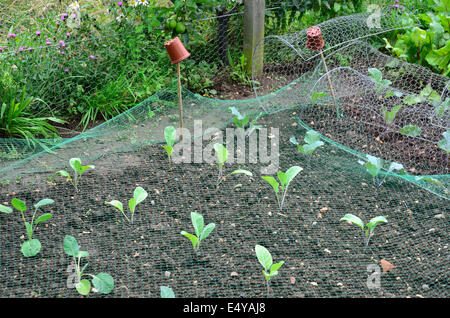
21,48
48,42
92,57
38,33
1,49
53,57
62,43
68,35
396,1
63,53
66,70
30,49
63,16
12,35
119,3
397,6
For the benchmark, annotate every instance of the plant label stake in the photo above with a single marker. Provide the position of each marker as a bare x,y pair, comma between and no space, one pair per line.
177,53
316,42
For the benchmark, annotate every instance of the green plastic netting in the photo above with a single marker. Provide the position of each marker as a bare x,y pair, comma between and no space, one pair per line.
323,257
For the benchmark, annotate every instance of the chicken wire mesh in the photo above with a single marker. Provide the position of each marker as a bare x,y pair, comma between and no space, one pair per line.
323,256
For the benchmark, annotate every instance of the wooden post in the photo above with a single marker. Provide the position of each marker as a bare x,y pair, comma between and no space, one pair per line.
254,15
180,101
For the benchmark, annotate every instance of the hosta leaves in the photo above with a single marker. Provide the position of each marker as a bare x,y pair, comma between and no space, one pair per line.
31,248
167,292
353,219
83,287
410,131
103,282
264,257
5,209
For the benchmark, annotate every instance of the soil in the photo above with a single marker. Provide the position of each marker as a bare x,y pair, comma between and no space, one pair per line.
323,256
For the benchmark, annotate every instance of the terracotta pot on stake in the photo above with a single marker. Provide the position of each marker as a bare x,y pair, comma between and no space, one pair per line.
178,53
316,42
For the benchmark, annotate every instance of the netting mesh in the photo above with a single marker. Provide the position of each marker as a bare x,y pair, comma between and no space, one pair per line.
323,256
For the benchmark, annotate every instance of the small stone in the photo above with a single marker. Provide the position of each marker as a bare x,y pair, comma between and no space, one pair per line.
234,274
292,279
167,274
314,284
327,251
440,216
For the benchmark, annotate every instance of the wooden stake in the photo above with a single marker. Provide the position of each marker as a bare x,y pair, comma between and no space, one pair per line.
180,101
329,81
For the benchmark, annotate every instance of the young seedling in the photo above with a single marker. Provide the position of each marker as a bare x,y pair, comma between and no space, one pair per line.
222,157
265,259
241,121
368,229
139,195
102,282
376,75
201,231
410,131
389,117
78,168
444,144
170,134
285,179
374,166
312,139
167,292
32,246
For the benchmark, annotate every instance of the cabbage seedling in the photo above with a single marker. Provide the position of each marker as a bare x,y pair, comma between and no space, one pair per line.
139,195
241,121
170,134
32,246
102,282
78,168
368,229
444,144
282,187
312,139
374,165
201,231
265,259
222,156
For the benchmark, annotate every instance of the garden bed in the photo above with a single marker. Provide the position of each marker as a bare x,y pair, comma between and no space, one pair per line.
323,257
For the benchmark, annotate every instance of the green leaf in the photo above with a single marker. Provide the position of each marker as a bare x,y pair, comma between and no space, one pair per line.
197,222
316,95
29,229
275,185
246,172
5,209
43,218
394,166
292,172
103,282
82,254
117,204
275,267
375,74
167,292
83,287
191,237
168,149
207,230
132,204
19,204
222,153
410,131
84,168
71,246
75,164
140,195
374,222
353,219
412,99
312,137
31,248
43,202
283,179
440,58
64,173
309,148
293,140
264,257
444,144
170,134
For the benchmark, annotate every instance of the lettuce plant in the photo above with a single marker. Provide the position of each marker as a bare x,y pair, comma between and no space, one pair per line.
139,195
170,134
368,229
32,246
282,187
374,166
102,282
201,231
312,139
265,259
78,168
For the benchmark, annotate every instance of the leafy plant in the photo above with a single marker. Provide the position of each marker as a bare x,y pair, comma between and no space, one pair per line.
368,229
170,134
265,259
242,121
444,143
102,282
376,75
78,168
139,195
32,246
374,166
201,231
239,71
410,131
167,292
312,139
285,179
222,156
316,95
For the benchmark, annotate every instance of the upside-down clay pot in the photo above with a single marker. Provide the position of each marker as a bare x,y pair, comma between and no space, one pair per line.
315,39
176,50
